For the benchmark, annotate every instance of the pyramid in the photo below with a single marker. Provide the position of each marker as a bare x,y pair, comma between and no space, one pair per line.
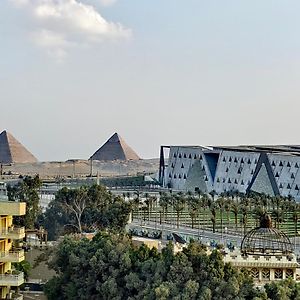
115,149
12,151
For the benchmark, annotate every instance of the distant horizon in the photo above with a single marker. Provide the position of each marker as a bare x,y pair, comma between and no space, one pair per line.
158,72
141,157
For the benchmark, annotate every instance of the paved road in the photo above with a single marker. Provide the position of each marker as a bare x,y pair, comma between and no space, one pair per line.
203,235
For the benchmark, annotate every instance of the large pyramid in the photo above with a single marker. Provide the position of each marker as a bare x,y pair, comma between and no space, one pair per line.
12,151
115,149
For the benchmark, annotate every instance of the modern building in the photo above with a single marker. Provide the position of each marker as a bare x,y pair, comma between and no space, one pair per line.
267,253
273,170
9,253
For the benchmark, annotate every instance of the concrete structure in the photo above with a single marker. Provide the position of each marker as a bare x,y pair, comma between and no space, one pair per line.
8,254
267,253
115,149
273,170
12,151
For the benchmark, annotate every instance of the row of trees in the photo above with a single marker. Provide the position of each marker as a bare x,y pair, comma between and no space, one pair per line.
245,209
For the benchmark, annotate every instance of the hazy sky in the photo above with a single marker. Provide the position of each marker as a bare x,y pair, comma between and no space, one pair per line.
157,71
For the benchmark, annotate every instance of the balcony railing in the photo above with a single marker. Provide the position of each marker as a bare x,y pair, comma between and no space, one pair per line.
11,280
12,256
12,208
12,233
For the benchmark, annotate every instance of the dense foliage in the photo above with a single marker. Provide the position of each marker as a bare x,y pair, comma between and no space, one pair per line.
110,267
84,209
26,191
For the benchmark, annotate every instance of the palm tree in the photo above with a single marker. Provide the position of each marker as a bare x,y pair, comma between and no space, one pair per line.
235,210
244,220
277,216
150,200
136,203
164,202
193,208
221,205
204,202
178,203
258,213
213,211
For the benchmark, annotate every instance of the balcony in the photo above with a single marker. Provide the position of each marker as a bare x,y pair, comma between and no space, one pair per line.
14,233
11,280
11,208
12,256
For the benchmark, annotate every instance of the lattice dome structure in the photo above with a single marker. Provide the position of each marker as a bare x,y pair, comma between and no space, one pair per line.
266,240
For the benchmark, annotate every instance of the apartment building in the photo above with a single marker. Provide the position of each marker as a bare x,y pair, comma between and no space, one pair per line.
9,252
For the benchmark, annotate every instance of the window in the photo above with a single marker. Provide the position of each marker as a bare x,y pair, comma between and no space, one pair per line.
184,155
242,161
235,181
235,160
278,274
296,165
265,274
195,156
179,155
288,164
229,181
240,170
184,177
230,159
249,161
296,188
224,159
190,156
175,155
252,172
179,176
288,186
280,186
200,157
224,180
277,175
173,165
227,170
273,164
293,176
218,179
289,273
280,164
175,176
170,175
206,179
255,273
182,166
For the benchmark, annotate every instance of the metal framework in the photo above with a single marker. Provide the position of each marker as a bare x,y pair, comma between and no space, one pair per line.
266,241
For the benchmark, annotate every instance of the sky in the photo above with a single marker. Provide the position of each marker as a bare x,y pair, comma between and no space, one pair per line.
159,72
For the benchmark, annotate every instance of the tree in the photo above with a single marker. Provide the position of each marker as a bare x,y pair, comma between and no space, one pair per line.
178,203
193,208
84,209
27,191
75,201
110,267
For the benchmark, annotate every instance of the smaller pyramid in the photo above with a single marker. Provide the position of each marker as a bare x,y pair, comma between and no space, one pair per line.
12,151
115,149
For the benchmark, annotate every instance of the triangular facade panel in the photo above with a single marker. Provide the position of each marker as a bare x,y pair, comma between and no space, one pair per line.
262,182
